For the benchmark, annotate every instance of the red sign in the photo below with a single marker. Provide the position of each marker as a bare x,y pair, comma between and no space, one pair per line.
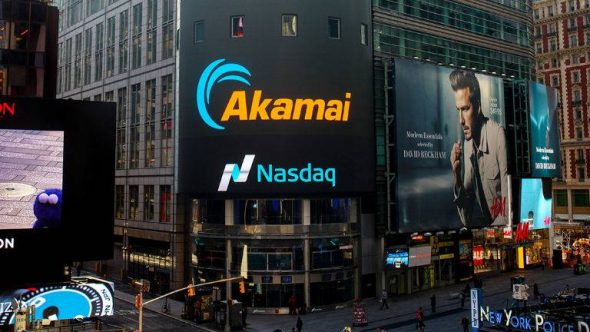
477,255
522,232
490,233
6,108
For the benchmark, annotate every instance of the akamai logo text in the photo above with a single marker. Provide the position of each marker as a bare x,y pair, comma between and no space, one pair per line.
240,107
273,174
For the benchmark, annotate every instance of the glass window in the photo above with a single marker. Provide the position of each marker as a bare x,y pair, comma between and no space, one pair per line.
134,146
199,31
334,28
120,202
133,202
166,124
148,203
573,41
561,197
289,25
165,204
168,28
123,41
110,66
268,212
581,174
150,124
78,60
152,31
98,56
579,134
329,211
237,26
135,103
136,43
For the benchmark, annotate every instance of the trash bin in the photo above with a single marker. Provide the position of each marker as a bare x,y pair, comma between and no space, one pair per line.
220,310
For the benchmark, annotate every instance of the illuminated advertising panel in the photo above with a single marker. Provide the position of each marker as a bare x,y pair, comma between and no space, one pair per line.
56,177
397,258
535,208
419,256
274,118
60,301
452,167
545,156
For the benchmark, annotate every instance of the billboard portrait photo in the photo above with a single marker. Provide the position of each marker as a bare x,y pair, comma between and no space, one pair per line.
452,162
545,156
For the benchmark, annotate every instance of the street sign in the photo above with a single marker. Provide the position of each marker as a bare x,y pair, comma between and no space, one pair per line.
476,299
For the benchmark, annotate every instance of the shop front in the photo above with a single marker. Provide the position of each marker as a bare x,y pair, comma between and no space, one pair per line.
573,239
535,251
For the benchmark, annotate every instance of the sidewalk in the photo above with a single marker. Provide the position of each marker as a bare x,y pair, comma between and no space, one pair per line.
401,312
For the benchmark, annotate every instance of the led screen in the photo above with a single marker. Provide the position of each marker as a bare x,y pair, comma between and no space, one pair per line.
397,258
31,171
60,301
535,207
452,167
56,186
419,256
545,156
269,120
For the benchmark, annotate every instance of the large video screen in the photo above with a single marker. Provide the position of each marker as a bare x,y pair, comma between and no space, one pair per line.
452,167
56,177
31,178
279,119
545,155
535,207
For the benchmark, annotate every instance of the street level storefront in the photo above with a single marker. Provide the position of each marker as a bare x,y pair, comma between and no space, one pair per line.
535,251
573,239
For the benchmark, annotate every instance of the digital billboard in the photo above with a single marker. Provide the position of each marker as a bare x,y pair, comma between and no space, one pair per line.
56,186
277,118
535,207
452,166
419,256
545,156
397,258
60,301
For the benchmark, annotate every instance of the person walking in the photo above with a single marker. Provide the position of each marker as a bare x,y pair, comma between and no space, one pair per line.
420,319
299,324
292,305
433,303
384,300
465,324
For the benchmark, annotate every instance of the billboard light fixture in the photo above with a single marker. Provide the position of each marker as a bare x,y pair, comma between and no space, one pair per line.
473,68
463,67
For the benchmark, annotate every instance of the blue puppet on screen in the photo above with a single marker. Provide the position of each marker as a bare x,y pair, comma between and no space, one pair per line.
47,209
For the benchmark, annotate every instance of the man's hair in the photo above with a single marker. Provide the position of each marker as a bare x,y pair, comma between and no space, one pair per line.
461,79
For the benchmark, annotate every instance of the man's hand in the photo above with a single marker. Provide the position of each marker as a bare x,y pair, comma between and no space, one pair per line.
456,164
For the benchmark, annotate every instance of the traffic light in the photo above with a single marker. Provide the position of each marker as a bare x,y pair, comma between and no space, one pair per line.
137,301
191,290
242,287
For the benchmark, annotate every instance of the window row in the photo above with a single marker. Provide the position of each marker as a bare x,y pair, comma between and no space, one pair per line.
145,136
461,16
289,28
580,198
553,9
144,203
273,211
407,43
94,53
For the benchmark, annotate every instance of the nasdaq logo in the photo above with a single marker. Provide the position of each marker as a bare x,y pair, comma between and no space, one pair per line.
256,106
238,174
274,174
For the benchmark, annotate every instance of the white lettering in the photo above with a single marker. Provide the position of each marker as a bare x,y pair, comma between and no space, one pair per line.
538,321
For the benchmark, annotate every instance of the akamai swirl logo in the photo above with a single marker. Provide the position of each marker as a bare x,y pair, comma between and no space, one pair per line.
216,72
255,106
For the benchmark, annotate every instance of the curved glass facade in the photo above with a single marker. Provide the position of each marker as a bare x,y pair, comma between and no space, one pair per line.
304,248
462,17
407,43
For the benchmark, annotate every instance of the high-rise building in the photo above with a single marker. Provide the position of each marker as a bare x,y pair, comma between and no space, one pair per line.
562,46
28,42
322,245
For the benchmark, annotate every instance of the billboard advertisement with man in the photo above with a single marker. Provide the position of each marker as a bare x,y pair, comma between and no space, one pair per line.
545,156
452,162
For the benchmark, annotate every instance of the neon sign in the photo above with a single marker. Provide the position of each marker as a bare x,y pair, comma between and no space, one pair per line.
6,108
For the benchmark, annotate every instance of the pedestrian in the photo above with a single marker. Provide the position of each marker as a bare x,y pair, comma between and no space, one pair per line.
299,324
292,305
462,297
433,303
244,316
420,319
535,290
465,323
384,299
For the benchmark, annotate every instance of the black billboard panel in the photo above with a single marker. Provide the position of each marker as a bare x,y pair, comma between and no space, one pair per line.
270,110
56,185
545,155
452,166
